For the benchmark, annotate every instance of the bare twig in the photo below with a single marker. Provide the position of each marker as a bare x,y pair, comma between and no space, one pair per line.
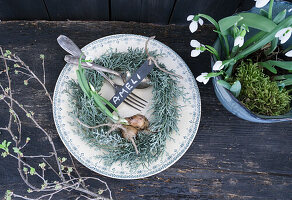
152,59
67,183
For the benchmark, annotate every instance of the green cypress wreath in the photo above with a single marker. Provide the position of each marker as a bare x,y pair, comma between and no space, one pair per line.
163,121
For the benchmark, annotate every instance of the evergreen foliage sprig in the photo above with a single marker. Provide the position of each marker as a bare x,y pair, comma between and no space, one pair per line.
165,111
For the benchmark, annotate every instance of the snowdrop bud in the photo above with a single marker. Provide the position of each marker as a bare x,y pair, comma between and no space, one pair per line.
289,53
239,41
261,3
195,43
198,48
202,78
194,24
218,66
190,17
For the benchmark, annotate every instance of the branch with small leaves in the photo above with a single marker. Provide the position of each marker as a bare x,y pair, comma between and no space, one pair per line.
68,177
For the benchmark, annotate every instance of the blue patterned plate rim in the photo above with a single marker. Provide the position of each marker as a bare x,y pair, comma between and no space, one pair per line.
193,123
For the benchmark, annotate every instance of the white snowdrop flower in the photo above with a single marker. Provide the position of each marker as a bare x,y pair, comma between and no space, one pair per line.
194,24
284,34
218,66
261,3
290,10
202,78
289,53
239,41
198,48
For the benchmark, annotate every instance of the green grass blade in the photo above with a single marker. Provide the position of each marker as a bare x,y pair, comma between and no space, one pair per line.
228,22
214,74
286,82
81,84
253,39
236,88
211,20
101,106
268,66
224,84
274,45
282,77
109,104
268,37
257,21
280,17
264,13
282,64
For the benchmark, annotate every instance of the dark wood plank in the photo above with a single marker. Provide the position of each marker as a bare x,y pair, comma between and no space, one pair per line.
156,11
213,8
78,10
229,159
129,10
150,11
23,10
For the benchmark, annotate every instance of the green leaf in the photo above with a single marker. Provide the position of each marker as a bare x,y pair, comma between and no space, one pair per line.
280,17
264,13
214,74
253,39
32,171
224,84
63,159
70,169
286,82
282,64
268,67
282,77
235,88
228,22
109,104
274,45
257,21
42,165
58,187
210,19
25,170
100,105
8,143
268,37
4,154
8,194
82,83
17,151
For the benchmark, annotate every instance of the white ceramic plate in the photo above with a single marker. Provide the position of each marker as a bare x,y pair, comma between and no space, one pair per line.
188,123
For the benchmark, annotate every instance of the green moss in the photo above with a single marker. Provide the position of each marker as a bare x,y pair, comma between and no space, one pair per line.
258,93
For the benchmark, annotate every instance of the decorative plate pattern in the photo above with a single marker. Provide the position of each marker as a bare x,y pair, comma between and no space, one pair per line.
188,123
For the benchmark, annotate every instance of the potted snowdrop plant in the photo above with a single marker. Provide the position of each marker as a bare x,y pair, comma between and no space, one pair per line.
251,61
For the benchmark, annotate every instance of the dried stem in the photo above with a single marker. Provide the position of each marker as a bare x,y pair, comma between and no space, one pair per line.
152,59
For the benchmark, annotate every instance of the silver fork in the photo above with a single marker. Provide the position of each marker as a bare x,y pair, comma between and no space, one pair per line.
132,99
68,45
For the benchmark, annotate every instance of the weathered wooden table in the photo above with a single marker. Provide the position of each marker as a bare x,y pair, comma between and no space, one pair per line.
229,158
